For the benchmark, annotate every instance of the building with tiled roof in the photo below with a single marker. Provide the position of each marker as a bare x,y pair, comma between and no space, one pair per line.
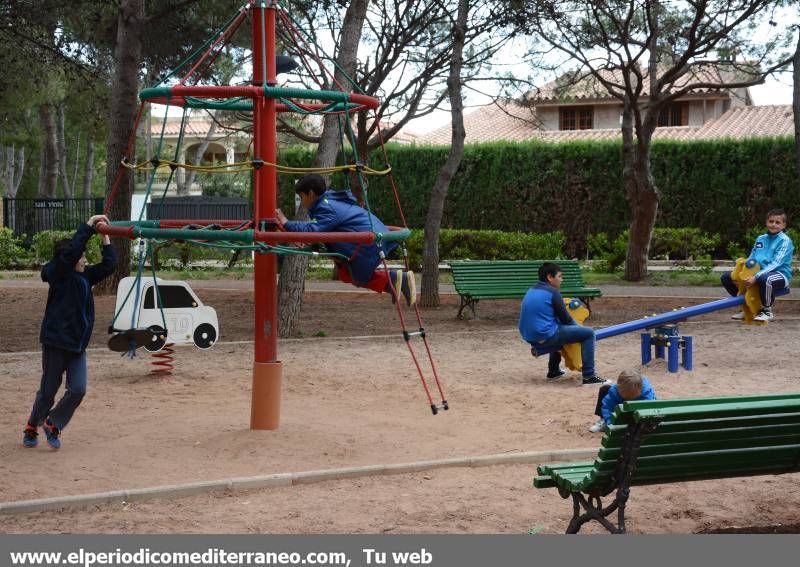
585,111
491,124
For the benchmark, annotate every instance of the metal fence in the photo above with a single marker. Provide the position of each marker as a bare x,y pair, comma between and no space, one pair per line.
30,216
199,208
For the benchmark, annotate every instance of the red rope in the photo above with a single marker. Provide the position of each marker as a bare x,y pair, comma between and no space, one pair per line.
295,35
234,25
391,175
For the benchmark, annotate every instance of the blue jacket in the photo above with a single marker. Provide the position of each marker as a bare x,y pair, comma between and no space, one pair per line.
773,252
541,313
613,399
69,314
338,211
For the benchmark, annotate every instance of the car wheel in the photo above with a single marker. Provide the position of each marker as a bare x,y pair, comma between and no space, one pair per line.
205,336
157,340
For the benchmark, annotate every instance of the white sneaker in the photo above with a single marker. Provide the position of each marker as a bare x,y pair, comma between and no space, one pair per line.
764,316
739,316
597,426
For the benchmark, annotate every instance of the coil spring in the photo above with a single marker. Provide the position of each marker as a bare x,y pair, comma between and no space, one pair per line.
164,361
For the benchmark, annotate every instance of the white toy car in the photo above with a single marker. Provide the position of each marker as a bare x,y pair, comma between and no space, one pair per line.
187,319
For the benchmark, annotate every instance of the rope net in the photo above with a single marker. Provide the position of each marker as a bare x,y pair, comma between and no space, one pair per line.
187,88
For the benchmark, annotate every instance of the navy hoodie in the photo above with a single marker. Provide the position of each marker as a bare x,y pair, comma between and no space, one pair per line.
69,314
338,211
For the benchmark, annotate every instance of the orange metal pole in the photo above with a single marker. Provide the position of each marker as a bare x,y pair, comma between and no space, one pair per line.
267,369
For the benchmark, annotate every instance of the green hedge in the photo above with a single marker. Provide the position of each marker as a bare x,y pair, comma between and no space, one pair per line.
719,187
487,245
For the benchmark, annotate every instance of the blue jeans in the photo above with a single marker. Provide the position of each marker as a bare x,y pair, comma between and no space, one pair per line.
567,334
55,362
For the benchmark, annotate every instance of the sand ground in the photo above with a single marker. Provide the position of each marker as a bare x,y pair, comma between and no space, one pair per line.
358,401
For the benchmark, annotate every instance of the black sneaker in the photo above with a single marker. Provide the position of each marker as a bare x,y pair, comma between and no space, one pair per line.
552,376
595,381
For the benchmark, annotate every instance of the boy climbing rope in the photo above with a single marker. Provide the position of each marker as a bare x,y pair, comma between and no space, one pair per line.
338,211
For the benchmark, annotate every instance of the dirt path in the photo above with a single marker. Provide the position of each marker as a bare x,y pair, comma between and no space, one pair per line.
349,402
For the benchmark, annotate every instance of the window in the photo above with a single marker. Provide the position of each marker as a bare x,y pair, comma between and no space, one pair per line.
576,118
675,114
172,296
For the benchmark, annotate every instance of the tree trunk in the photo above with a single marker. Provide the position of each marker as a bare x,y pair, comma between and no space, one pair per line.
291,284
429,296
88,167
42,171
127,59
13,168
61,147
185,187
640,192
796,106
47,188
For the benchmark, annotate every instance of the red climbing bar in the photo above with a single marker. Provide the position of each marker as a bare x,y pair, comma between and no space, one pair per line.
265,404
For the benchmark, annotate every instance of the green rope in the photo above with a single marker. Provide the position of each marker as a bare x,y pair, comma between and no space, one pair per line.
202,47
328,57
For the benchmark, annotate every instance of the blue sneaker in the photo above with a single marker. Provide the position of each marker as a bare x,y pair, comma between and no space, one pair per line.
30,437
52,433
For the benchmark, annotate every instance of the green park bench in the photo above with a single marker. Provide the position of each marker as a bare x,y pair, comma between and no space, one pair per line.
668,441
510,279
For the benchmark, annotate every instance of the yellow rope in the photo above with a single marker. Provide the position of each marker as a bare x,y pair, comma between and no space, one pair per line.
248,166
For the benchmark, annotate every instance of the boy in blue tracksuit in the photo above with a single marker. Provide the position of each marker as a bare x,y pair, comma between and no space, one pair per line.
773,252
338,211
66,330
545,322
630,386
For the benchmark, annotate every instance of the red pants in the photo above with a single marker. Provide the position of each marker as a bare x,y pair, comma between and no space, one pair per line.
378,282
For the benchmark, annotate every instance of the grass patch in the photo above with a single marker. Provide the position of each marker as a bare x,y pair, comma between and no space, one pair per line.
676,278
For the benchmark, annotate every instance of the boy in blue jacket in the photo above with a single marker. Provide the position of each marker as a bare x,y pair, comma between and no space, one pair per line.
773,252
630,386
66,329
338,211
545,322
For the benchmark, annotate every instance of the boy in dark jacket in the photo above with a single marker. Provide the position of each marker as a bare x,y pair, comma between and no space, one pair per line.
338,211
66,329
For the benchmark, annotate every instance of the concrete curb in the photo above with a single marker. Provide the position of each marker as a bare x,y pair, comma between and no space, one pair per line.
285,479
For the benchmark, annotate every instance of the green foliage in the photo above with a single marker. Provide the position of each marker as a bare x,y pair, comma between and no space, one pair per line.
609,254
182,255
12,254
718,187
682,243
667,243
44,245
487,245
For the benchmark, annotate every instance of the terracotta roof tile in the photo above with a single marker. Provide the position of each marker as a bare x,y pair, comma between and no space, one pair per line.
750,122
491,124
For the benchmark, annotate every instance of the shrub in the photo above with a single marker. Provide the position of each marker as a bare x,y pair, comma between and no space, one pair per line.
12,254
682,243
487,245
44,244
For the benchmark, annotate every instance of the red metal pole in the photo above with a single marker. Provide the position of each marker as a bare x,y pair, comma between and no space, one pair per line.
267,369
